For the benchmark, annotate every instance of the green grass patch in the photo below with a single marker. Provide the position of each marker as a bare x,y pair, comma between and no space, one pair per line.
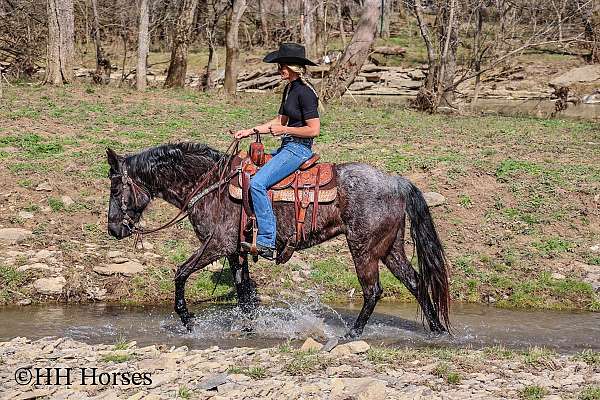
252,372
116,358
304,362
590,393
589,356
533,392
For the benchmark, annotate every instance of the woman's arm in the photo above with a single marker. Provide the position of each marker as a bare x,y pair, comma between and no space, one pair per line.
262,128
311,130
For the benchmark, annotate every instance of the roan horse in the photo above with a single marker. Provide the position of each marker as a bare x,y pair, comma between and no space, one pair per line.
370,210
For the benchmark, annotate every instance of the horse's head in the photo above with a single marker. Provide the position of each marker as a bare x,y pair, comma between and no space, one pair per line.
128,198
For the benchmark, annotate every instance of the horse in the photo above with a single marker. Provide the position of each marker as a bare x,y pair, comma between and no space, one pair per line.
369,210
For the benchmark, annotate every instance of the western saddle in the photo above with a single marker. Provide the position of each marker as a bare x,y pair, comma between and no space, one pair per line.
313,183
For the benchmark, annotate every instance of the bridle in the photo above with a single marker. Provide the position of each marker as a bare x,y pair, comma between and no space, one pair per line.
130,186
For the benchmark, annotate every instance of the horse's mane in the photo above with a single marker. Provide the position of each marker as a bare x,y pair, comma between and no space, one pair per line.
172,162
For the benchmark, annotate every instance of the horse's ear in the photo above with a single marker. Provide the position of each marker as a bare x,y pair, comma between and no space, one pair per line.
113,159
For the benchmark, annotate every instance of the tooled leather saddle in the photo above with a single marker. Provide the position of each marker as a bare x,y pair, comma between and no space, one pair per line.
313,183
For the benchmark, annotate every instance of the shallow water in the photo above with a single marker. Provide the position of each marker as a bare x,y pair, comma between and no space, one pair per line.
223,325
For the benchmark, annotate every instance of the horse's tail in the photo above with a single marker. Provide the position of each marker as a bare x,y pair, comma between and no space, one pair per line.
433,272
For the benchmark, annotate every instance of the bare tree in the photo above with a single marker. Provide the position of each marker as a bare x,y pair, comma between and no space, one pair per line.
264,27
355,54
232,51
102,73
308,28
143,46
61,42
181,39
585,10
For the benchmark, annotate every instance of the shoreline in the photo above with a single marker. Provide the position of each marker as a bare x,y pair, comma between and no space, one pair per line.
356,369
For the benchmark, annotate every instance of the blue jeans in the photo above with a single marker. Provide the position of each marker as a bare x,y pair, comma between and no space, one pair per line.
285,161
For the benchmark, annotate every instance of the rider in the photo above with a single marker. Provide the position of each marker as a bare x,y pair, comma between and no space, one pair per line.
297,124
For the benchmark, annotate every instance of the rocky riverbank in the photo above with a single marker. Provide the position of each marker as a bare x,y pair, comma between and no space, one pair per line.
353,370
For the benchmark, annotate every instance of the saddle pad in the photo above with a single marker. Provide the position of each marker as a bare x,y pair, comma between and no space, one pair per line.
325,195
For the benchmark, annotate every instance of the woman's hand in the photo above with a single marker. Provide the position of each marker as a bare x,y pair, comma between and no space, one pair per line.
242,133
277,129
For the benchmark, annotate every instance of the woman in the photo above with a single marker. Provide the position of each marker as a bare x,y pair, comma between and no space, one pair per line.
297,124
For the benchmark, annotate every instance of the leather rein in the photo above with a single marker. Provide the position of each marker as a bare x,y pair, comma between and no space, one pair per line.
200,191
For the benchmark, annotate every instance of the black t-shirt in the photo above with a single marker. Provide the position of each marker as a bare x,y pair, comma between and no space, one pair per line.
299,103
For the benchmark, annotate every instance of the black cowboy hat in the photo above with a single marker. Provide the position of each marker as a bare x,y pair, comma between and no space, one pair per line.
288,53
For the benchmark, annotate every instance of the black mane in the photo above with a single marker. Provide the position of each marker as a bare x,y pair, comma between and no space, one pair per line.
173,162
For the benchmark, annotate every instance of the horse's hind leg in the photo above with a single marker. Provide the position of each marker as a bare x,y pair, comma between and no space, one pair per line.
398,264
367,269
244,285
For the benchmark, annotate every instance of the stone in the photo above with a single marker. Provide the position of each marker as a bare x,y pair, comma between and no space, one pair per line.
311,345
43,254
213,381
557,275
114,254
595,248
14,235
434,199
588,73
329,345
358,388
24,302
50,286
356,347
35,266
25,214
416,74
127,268
67,201
44,187
144,245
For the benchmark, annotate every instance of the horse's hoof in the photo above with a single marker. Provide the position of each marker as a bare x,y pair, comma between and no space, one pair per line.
188,321
353,334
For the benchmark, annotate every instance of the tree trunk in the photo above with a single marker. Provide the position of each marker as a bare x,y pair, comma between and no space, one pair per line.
102,73
61,42
308,28
356,53
448,36
232,46
586,10
264,28
181,41
340,17
141,71
386,15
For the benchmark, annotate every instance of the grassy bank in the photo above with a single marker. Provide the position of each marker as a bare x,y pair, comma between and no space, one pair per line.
518,223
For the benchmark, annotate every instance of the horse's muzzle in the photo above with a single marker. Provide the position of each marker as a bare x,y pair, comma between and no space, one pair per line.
118,230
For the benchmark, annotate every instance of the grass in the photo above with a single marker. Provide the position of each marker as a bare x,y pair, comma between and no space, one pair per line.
443,370
531,210
255,372
304,362
590,393
537,355
589,356
533,392
116,358
184,393
11,282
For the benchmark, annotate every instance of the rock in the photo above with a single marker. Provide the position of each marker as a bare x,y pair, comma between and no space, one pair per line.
595,248
67,201
114,254
95,293
557,275
356,347
311,345
416,74
24,302
358,388
127,268
50,286
43,254
588,73
14,235
44,187
144,245
212,381
35,266
434,199
25,214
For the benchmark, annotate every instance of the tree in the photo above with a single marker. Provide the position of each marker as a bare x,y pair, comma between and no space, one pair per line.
143,46
232,51
355,54
102,73
264,27
61,42
308,28
181,39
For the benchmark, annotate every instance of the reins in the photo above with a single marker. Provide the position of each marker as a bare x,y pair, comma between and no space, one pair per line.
191,199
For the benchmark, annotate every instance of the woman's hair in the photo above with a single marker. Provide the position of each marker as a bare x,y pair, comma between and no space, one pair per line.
301,71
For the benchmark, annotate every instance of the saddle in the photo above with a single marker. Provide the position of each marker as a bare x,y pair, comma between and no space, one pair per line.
313,183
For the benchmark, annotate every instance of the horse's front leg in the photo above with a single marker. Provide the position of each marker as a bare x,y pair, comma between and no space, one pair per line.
200,259
244,285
